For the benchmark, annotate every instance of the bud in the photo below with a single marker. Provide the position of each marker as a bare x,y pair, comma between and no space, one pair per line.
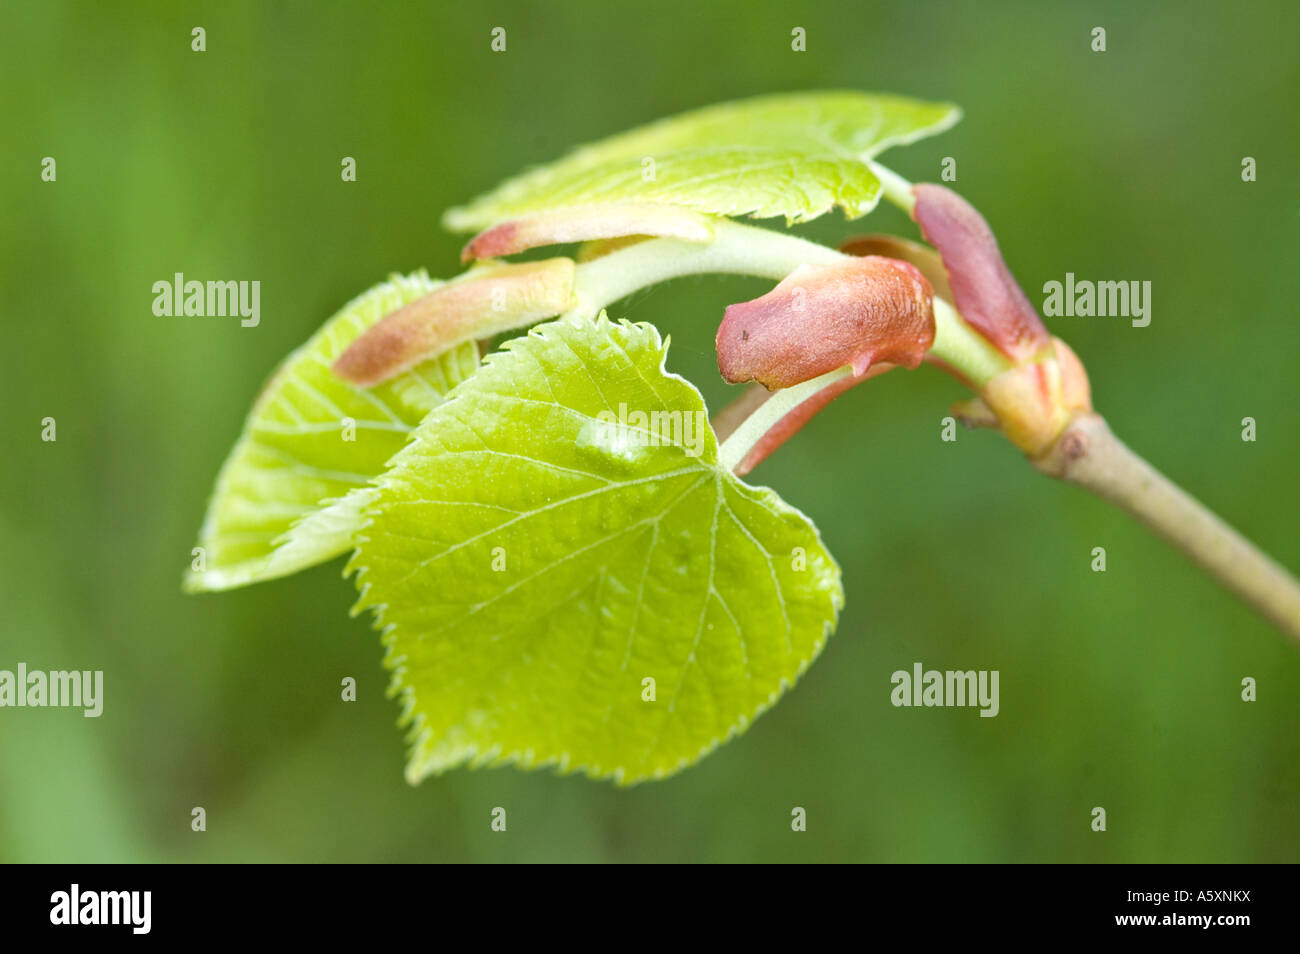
983,288
1034,402
587,222
859,312
926,259
487,300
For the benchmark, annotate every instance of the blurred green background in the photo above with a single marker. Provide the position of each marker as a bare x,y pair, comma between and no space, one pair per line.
1118,689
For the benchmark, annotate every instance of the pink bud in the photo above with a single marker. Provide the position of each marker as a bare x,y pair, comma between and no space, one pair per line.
983,288
858,312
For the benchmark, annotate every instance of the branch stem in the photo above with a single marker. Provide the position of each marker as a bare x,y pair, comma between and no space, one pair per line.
1089,455
736,250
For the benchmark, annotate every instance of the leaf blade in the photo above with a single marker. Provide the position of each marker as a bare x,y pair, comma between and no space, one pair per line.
617,564
793,155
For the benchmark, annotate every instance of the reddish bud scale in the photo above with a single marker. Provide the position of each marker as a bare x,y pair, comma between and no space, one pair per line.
983,288
858,312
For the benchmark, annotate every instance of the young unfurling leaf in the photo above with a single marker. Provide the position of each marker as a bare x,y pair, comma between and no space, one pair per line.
289,494
558,532
795,155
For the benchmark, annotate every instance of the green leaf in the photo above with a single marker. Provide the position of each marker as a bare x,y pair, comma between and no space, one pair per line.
532,562
797,155
289,494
